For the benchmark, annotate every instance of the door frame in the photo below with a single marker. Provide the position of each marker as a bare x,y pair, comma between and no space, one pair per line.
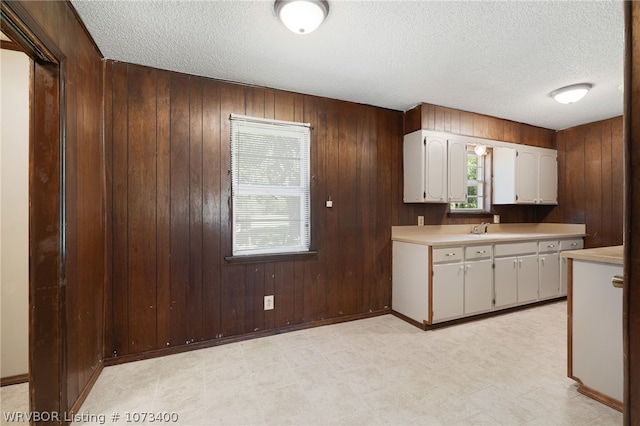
631,289
47,307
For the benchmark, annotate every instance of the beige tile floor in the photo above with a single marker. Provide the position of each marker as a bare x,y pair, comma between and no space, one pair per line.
505,370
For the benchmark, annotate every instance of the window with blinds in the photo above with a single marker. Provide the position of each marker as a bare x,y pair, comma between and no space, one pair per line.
270,186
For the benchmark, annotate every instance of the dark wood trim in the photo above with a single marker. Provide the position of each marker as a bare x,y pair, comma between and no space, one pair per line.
23,30
84,29
631,289
238,338
427,326
14,380
46,333
262,258
598,396
429,320
570,318
86,390
421,325
9,45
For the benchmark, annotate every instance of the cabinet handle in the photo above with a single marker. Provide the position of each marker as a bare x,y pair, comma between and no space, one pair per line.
481,251
551,246
617,281
574,244
542,260
450,254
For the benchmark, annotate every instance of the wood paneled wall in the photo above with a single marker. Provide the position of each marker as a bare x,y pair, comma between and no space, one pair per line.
168,148
590,180
84,251
437,118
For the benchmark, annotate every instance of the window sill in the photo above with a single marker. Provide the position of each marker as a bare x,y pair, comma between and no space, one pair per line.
478,213
281,257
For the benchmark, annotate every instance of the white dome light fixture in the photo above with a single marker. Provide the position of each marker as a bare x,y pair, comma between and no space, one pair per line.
571,94
302,16
480,150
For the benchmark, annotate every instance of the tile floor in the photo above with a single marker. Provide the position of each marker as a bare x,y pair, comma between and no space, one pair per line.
505,370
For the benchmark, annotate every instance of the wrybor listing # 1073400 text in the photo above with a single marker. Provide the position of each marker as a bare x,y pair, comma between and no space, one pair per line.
85,417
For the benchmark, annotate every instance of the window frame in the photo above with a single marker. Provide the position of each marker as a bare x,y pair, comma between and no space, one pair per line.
480,184
299,131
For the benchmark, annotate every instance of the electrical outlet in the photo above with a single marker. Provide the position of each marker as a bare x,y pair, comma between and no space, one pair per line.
268,303
420,220
496,218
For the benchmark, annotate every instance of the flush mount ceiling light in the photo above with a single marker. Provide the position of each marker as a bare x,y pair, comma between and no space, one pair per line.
302,16
480,150
571,94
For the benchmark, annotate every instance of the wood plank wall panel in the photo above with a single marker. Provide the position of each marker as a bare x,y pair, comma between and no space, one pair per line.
590,182
171,157
85,206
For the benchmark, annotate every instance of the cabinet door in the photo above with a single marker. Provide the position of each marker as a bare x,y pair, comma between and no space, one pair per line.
527,279
563,276
527,177
548,178
569,244
414,146
436,170
457,171
448,291
505,282
504,175
477,287
549,267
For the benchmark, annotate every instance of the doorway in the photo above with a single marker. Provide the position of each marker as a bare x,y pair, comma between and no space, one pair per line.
14,212
45,227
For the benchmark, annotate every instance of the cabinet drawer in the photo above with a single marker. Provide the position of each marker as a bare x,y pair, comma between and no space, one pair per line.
447,254
548,246
511,249
478,252
573,244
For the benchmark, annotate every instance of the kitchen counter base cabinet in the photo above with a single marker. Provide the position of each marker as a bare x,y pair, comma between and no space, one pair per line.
516,265
434,284
410,289
477,287
595,331
448,291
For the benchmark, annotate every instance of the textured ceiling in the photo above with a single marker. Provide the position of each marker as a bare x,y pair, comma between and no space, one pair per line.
495,58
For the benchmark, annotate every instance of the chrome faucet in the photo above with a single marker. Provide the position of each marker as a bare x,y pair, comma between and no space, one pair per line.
476,228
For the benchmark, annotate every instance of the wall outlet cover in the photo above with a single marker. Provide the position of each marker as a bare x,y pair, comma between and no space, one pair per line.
268,303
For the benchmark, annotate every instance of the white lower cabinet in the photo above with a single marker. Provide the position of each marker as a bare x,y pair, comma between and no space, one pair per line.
477,286
516,280
505,282
548,269
516,271
568,244
448,291
473,279
527,278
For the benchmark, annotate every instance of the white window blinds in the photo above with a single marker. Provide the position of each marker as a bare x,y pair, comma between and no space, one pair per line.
269,186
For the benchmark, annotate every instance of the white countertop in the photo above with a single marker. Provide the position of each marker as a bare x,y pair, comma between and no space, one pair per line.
612,254
443,235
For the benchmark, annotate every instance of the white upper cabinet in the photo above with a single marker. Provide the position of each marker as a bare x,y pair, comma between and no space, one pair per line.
435,169
548,176
413,162
457,171
525,175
